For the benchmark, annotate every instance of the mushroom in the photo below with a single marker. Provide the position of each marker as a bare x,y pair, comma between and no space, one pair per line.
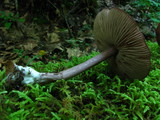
158,34
119,39
116,29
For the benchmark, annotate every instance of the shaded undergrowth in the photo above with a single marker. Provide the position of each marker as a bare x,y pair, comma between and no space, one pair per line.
92,95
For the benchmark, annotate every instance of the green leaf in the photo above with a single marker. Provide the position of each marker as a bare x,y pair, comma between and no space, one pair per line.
155,20
21,20
3,92
55,116
139,115
23,95
7,25
146,109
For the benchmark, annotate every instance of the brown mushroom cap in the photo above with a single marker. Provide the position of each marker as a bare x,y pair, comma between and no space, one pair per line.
115,28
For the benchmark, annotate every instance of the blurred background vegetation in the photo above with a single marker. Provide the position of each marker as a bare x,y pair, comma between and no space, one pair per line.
61,26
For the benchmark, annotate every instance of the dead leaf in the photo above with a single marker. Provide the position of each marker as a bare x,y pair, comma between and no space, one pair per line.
53,46
9,66
30,45
53,37
74,52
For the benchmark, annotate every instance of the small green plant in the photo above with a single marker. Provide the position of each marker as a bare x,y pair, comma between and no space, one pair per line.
76,43
86,27
8,18
19,52
73,42
148,10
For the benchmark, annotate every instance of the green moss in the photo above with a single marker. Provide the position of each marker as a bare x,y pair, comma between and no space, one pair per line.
90,95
